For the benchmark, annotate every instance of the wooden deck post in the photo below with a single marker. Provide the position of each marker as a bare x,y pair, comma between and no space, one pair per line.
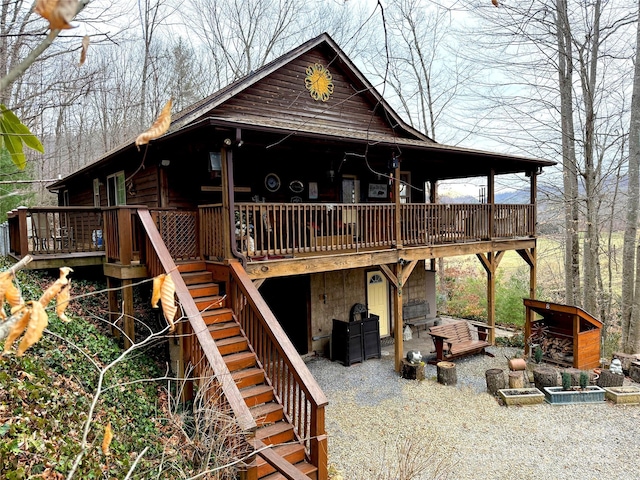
398,213
128,312
491,198
319,457
22,228
529,256
397,278
490,263
114,309
125,236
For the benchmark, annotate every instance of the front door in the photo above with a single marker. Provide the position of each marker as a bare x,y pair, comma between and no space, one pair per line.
378,299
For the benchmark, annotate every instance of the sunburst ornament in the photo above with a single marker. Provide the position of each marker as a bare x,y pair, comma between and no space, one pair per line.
319,82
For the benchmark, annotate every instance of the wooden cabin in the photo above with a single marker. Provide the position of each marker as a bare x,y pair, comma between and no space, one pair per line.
567,335
298,192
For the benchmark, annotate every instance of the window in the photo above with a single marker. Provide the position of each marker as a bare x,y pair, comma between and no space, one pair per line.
65,198
116,193
96,192
405,188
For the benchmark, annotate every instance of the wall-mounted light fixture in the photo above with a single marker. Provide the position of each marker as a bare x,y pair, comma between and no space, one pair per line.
165,162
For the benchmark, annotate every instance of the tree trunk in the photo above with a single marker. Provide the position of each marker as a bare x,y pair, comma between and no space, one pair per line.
569,163
447,374
495,380
545,377
516,379
610,379
630,313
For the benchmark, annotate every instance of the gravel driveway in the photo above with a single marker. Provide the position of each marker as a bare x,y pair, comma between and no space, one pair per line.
372,410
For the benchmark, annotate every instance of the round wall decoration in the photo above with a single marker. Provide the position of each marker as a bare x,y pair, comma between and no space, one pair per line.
272,182
319,82
296,186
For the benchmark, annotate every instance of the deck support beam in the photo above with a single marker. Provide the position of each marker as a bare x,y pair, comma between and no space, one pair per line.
397,278
128,313
490,263
529,255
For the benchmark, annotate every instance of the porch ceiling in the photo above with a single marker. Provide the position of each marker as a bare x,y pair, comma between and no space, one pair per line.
443,161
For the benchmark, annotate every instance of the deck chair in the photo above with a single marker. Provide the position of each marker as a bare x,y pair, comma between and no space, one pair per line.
40,231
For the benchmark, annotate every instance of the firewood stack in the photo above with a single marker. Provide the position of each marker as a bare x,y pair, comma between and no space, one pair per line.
557,348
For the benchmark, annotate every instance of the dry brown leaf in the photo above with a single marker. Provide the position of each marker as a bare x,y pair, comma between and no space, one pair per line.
13,296
55,288
58,12
157,286
62,300
85,47
495,2
159,127
106,441
17,330
37,323
169,307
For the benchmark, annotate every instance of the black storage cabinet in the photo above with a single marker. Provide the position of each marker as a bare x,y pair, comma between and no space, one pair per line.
356,341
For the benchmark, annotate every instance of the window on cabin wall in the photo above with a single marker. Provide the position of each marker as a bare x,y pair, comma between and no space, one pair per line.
405,189
116,193
96,193
65,198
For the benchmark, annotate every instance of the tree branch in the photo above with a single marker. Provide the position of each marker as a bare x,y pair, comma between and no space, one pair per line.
19,69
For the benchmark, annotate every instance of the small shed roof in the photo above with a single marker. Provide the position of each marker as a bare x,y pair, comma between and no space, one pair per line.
558,311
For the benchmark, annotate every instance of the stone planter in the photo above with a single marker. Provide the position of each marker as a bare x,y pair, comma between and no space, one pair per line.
591,394
623,395
521,396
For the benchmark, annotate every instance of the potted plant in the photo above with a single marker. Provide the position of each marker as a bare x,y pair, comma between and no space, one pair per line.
568,393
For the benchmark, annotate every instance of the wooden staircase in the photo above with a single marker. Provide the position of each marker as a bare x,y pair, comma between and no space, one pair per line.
273,426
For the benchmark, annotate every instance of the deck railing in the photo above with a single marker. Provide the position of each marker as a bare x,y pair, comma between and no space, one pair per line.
263,230
55,230
272,229
303,401
212,237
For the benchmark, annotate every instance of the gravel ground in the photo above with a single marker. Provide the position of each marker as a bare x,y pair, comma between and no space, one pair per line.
372,410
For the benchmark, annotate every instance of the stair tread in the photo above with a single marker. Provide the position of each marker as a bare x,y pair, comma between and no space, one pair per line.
305,467
184,267
231,340
255,389
247,372
264,409
273,429
291,452
223,325
246,359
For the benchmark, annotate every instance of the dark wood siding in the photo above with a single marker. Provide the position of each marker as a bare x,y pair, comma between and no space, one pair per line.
283,95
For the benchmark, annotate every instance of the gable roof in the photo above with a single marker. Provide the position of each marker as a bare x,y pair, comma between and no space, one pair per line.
364,88
226,107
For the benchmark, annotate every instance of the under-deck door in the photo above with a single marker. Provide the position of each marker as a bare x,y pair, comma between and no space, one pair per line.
378,299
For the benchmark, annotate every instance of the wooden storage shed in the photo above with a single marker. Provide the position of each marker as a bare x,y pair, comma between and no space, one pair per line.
568,335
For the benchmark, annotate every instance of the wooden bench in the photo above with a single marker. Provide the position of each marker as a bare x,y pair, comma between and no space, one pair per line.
455,339
416,314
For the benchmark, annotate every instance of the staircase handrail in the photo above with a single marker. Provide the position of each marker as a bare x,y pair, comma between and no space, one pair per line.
275,331
229,387
272,346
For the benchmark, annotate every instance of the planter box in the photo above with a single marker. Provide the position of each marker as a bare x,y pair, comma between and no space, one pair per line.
624,395
521,396
592,394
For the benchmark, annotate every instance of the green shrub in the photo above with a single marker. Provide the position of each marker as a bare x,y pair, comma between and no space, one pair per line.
537,354
566,381
584,380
